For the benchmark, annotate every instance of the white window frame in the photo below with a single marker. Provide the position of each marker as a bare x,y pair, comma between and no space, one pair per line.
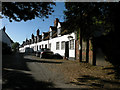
72,44
62,45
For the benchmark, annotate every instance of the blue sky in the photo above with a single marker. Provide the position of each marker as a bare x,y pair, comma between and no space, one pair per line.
19,31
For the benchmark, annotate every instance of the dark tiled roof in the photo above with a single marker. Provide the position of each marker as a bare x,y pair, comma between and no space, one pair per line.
46,38
40,36
53,28
46,35
8,37
54,35
64,32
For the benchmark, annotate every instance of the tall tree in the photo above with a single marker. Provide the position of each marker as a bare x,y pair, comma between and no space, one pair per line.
92,19
15,46
19,11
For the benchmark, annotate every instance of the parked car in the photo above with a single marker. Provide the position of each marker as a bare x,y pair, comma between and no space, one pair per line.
44,53
57,56
29,50
37,53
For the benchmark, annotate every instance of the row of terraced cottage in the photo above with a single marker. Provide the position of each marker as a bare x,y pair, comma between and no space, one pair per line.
59,40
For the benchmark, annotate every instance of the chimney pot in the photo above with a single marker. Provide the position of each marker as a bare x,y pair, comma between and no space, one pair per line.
56,22
38,32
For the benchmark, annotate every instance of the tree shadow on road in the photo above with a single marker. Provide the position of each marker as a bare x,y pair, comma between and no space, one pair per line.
38,60
96,82
16,75
16,80
14,61
115,71
42,61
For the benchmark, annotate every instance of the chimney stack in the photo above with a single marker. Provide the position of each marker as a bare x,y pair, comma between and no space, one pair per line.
32,36
38,32
56,22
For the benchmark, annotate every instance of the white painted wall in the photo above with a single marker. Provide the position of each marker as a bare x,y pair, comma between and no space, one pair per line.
60,39
22,49
53,44
42,43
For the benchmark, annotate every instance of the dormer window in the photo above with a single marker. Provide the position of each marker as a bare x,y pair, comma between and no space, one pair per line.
59,31
42,36
50,34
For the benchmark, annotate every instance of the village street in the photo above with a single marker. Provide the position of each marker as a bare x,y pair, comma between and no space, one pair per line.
21,71
30,73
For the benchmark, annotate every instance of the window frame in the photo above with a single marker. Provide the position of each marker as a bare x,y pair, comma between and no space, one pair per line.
72,44
63,45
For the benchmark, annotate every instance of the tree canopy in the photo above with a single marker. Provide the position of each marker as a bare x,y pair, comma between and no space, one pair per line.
15,46
92,18
19,11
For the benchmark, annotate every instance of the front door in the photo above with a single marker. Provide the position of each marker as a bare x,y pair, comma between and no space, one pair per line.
37,48
67,49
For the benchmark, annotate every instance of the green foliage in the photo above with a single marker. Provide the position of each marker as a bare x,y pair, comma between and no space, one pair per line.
26,10
15,46
93,18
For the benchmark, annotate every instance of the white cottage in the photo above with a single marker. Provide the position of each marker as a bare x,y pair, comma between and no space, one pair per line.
57,39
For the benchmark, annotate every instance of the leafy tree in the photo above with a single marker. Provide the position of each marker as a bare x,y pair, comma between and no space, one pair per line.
92,15
93,19
15,46
26,10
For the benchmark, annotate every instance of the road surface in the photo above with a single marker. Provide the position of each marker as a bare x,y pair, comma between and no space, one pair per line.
22,71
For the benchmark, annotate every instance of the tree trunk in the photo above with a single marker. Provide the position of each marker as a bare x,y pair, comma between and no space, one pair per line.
94,52
80,37
87,51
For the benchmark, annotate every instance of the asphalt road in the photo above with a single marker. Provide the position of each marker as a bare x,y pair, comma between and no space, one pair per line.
22,71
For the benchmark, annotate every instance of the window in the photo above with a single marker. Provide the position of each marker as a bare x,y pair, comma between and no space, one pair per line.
62,45
72,44
45,45
59,31
37,47
57,45
50,46
40,47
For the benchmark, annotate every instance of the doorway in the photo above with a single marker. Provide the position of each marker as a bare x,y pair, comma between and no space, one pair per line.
67,49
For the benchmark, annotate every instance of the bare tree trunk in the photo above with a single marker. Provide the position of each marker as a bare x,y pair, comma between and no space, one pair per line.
87,51
94,52
80,37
